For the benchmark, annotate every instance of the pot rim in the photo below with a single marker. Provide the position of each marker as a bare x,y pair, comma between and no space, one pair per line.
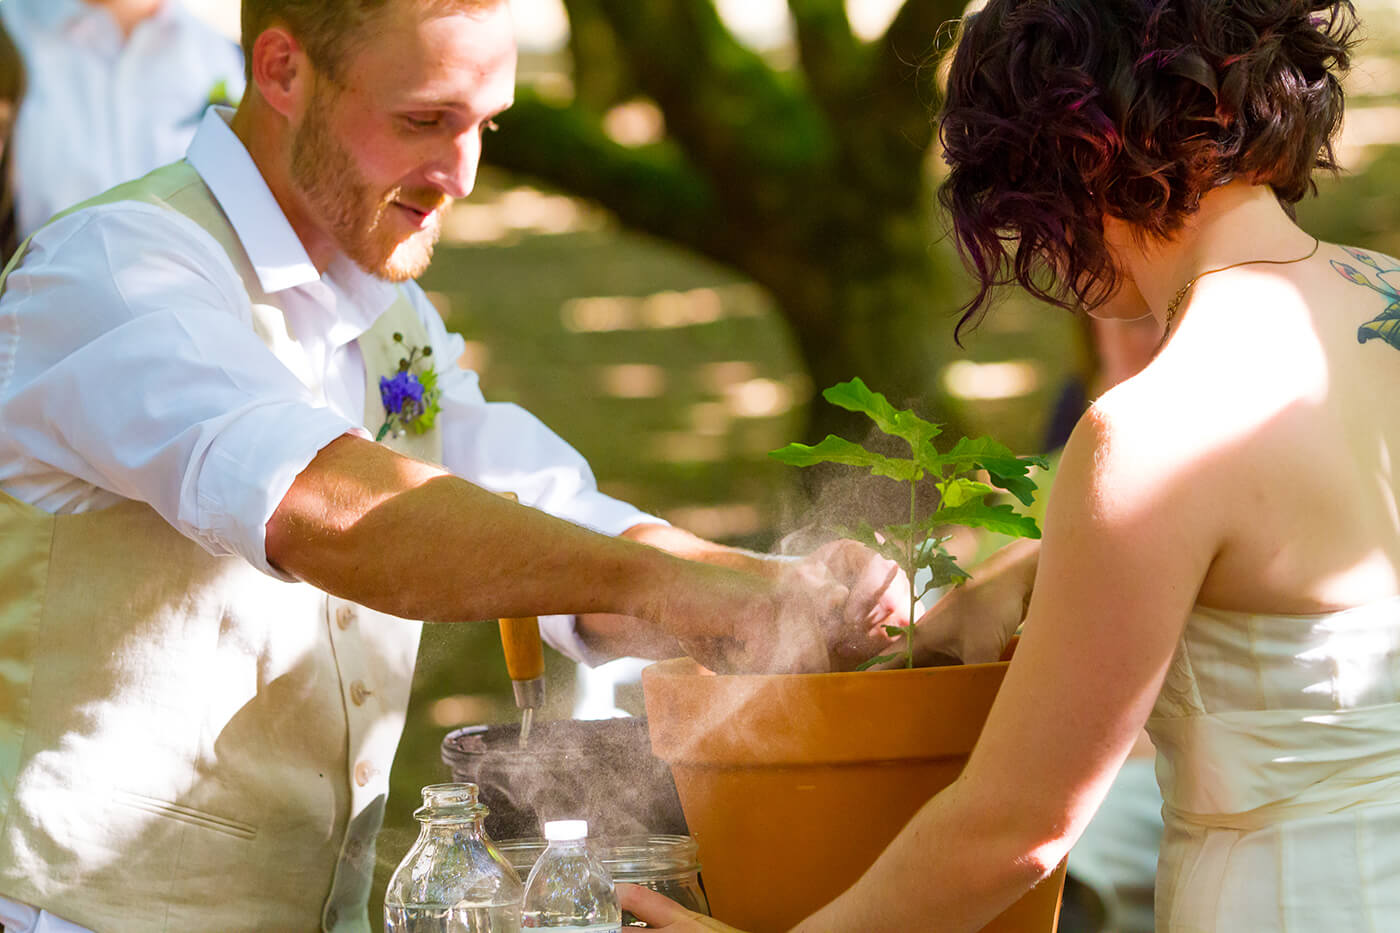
780,720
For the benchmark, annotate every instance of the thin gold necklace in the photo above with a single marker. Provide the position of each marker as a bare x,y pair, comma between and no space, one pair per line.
1180,296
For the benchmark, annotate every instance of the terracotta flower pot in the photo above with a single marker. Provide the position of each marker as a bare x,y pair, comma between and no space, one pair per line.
793,784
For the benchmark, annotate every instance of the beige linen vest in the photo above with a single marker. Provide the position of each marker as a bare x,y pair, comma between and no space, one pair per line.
187,744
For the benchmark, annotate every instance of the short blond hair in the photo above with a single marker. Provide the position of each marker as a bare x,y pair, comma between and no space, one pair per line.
329,29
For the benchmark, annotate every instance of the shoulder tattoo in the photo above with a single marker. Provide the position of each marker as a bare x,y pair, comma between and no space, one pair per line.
1386,271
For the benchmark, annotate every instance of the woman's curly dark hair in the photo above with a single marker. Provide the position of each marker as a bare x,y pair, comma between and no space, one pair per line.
1060,112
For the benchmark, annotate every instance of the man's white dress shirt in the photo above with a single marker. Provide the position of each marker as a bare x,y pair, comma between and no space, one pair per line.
128,370
101,108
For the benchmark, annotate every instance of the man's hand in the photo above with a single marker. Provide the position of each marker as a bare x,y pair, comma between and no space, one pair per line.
869,593
973,622
659,912
827,612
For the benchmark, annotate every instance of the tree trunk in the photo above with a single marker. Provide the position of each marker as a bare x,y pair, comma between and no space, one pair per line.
809,181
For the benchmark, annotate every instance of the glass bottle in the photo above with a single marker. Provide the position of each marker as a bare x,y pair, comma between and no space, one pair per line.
569,889
453,880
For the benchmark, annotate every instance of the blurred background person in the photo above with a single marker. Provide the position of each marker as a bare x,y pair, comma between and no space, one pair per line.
98,92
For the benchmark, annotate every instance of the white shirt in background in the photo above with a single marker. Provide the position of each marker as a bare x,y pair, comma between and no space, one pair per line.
101,109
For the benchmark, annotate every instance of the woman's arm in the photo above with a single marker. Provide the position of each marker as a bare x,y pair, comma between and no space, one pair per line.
1120,565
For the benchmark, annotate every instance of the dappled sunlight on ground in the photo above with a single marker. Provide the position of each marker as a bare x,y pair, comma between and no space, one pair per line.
710,419
635,123
476,356
758,398
660,311
1366,134
684,447
632,380
725,520
516,211
463,709
716,377
1007,379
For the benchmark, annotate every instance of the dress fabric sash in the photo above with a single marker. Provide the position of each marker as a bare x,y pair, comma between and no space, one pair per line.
1278,757
1283,764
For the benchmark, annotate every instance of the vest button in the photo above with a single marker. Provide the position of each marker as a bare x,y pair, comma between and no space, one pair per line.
363,772
354,849
359,693
344,617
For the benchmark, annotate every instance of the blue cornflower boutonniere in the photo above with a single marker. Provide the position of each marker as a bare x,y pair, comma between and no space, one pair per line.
410,396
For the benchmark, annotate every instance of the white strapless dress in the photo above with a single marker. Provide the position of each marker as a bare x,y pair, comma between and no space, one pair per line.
1278,755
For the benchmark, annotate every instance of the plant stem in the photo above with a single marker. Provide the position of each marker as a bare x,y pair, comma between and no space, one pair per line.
912,571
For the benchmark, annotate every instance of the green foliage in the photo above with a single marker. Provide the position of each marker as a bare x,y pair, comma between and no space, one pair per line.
958,476
431,393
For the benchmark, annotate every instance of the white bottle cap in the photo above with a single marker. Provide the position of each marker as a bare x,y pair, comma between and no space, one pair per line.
565,830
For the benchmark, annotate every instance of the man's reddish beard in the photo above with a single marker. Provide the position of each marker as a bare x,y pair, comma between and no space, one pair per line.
337,192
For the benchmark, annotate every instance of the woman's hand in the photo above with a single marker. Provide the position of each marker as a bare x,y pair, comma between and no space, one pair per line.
973,622
661,913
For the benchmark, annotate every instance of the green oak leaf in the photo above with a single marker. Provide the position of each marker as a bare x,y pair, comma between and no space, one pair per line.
930,556
898,422
1006,470
1002,518
879,542
916,530
929,547
944,571
960,490
865,533
835,449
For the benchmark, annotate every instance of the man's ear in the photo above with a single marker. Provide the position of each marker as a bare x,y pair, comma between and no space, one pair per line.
282,71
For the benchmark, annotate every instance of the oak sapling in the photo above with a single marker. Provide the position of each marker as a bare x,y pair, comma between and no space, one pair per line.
965,476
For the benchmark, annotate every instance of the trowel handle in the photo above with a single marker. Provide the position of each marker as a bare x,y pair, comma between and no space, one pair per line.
520,638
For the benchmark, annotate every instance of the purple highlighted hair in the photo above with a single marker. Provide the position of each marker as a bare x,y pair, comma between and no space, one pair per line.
1061,112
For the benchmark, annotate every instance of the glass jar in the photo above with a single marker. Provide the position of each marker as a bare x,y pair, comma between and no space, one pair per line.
454,879
664,863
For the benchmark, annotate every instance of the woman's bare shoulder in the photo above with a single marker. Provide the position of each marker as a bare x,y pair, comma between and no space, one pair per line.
1143,454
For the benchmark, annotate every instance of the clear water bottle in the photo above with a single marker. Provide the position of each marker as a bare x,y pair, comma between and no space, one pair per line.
569,889
453,880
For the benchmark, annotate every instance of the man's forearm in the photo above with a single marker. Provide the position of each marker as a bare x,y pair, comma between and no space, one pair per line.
407,538
615,635
682,543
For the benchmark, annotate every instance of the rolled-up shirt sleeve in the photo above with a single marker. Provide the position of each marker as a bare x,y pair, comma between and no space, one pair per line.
503,447
136,369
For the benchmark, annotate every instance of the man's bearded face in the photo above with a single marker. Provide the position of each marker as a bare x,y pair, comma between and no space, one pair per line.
387,233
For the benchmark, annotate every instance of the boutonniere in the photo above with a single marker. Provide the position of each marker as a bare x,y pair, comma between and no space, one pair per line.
410,396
